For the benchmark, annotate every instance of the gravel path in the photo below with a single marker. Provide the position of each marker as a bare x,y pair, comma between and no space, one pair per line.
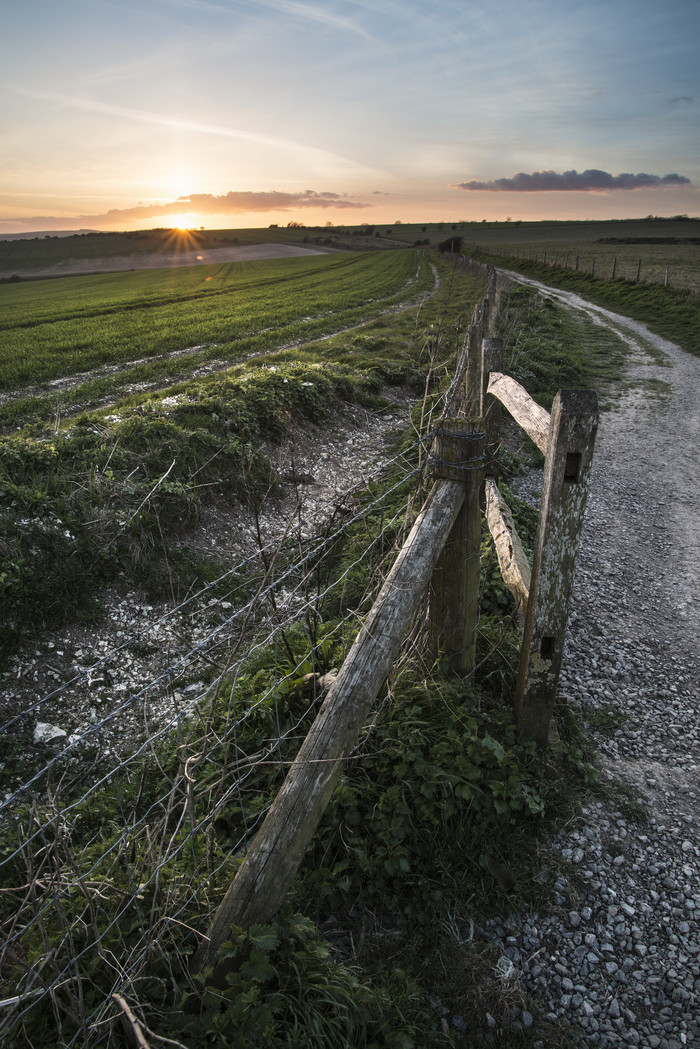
619,959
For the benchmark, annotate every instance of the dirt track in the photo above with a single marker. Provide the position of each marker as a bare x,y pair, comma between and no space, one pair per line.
620,959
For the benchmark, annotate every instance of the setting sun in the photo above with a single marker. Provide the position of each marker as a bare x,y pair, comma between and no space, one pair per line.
185,222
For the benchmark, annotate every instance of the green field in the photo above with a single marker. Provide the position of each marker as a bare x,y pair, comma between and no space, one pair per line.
109,381
102,336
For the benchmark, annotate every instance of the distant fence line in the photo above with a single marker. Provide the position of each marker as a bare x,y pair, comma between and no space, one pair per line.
602,267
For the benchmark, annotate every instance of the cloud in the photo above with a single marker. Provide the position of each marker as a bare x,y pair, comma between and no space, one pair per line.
682,100
199,204
590,181
316,159
315,13
293,8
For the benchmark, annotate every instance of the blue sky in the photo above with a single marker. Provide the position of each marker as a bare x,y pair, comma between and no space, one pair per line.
244,112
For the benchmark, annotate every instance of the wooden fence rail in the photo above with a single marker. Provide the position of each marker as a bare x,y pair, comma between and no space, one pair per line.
567,438
275,855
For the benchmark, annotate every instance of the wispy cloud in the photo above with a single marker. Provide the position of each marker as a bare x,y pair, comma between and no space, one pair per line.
239,202
199,204
682,100
315,13
293,8
589,181
143,116
316,158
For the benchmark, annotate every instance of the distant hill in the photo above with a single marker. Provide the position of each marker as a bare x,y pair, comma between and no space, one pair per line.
38,234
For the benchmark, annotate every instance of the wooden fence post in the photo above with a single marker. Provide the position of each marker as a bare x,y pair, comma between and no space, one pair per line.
454,589
492,356
572,431
472,376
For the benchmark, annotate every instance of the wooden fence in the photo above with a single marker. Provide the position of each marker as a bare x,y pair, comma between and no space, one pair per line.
442,551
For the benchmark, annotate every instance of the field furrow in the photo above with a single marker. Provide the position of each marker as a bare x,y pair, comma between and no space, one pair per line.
120,344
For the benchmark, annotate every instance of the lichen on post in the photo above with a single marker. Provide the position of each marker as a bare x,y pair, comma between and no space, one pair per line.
570,443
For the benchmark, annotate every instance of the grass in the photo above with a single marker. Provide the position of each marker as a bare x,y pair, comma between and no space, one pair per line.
68,345
673,314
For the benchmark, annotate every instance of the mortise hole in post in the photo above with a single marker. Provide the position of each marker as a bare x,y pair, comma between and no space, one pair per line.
572,468
547,647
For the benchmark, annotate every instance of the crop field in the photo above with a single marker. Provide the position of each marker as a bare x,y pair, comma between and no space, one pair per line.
109,381
74,343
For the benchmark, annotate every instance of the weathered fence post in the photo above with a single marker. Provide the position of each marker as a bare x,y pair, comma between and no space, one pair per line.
492,356
472,379
454,590
572,430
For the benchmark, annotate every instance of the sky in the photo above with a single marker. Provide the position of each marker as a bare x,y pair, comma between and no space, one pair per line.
134,114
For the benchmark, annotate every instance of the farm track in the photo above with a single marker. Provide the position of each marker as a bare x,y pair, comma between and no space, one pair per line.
619,959
56,387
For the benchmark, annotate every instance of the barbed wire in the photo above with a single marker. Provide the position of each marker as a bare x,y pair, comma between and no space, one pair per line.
255,602
59,815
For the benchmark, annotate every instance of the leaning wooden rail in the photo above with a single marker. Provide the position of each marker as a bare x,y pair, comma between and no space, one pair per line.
512,559
275,855
527,413
567,472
